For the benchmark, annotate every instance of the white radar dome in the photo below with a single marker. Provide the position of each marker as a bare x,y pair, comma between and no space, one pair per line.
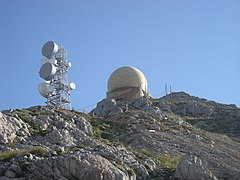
127,81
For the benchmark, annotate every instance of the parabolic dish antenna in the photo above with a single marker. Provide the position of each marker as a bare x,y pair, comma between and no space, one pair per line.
72,86
49,49
45,89
47,71
41,89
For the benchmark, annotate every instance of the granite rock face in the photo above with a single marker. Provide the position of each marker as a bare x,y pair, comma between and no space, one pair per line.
202,113
183,104
111,107
106,107
76,166
11,129
141,139
191,168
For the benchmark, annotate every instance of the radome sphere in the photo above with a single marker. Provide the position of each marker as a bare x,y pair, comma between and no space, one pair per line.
127,82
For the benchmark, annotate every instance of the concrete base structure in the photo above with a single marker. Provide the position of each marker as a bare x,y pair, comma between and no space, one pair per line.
126,93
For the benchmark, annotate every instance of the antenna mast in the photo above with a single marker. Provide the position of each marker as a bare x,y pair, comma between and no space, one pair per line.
166,89
54,71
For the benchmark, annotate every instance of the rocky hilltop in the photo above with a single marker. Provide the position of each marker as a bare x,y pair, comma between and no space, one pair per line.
204,114
177,136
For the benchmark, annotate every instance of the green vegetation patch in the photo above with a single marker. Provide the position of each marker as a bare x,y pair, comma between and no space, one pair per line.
120,167
98,127
168,161
221,136
26,116
39,151
131,172
106,130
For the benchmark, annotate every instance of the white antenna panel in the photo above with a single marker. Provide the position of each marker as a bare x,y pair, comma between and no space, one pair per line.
49,49
72,86
45,89
42,89
47,71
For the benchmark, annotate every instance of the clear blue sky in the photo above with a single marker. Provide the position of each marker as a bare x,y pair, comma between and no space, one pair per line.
194,45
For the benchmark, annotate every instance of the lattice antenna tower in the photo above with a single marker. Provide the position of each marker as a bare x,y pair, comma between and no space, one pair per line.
54,73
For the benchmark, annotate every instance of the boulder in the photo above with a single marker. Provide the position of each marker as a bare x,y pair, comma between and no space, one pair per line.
84,125
140,103
13,171
76,166
150,164
236,176
191,168
106,107
10,128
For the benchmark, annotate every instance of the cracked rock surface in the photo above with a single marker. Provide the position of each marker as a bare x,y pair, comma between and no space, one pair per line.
174,137
191,168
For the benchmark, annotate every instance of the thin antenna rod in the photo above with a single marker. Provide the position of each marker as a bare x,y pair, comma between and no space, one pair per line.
166,89
170,92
